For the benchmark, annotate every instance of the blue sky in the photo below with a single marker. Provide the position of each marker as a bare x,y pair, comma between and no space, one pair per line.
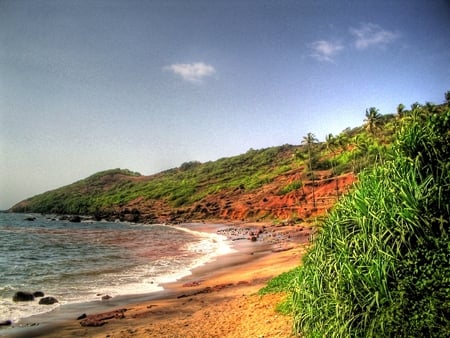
91,85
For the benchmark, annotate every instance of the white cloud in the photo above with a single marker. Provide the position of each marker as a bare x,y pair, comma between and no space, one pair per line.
368,35
323,50
192,72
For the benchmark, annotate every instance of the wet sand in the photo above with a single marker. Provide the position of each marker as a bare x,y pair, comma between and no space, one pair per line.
218,299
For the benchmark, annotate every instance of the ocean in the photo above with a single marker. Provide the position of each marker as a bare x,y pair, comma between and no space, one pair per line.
82,262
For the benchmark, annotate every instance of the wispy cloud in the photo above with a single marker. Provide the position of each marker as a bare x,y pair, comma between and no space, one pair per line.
323,50
371,35
191,72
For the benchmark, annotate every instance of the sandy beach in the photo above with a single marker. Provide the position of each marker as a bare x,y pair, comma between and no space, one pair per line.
218,299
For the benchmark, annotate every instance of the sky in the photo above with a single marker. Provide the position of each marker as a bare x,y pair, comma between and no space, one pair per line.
91,85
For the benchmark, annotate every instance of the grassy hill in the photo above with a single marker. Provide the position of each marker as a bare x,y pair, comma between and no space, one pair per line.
285,183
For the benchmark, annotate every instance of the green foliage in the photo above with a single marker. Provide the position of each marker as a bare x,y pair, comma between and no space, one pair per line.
282,283
379,266
177,187
290,187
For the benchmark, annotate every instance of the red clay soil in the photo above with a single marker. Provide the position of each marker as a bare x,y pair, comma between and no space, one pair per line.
263,204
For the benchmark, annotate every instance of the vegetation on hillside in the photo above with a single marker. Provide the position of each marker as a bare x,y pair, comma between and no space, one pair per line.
379,266
273,183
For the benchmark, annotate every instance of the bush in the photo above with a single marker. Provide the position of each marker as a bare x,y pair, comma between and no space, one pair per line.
380,264
290,187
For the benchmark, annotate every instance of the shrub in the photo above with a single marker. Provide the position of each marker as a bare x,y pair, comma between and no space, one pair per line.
290,187
379,266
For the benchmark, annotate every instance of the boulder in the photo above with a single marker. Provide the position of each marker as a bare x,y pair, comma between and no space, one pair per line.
6,323
48,301
75,219
30,218
38,294
23,296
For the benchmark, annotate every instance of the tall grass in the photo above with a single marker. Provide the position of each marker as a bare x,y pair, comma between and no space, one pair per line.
380,265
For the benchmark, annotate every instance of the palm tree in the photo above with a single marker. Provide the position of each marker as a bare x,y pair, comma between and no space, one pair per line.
332,144
400,110
309,140
342,141
372,120
330,140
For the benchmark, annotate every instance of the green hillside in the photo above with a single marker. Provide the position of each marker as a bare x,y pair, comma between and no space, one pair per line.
288,182
379,266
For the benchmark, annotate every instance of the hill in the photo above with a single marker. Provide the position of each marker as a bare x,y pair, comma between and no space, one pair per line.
283,183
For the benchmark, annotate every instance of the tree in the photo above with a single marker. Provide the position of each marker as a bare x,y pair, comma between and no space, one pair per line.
309,140
447,96
332,145
372,120
400,110
415,106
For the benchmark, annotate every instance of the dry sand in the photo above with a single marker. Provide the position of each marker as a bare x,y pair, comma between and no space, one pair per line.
218,300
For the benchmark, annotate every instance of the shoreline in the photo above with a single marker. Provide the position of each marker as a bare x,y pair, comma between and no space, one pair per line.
242,272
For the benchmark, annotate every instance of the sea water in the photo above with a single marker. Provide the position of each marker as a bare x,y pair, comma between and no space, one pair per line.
80,262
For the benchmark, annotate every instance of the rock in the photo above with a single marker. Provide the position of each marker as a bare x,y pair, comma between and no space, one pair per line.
100,319
106,297
48,301
30,218
23,296
6,323
38,294
92,322
194,283
82,316
75,219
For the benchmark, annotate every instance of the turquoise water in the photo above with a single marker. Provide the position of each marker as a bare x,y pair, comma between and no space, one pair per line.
79,262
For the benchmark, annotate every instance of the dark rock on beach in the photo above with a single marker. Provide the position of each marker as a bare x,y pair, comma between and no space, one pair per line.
48,301
38,294
6,323
30,218
100,319
75,219
23,296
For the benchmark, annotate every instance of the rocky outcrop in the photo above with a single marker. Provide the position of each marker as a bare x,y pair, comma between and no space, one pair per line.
75,219
23,296
48,301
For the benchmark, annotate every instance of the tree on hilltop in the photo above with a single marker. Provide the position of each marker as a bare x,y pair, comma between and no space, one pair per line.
372,120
